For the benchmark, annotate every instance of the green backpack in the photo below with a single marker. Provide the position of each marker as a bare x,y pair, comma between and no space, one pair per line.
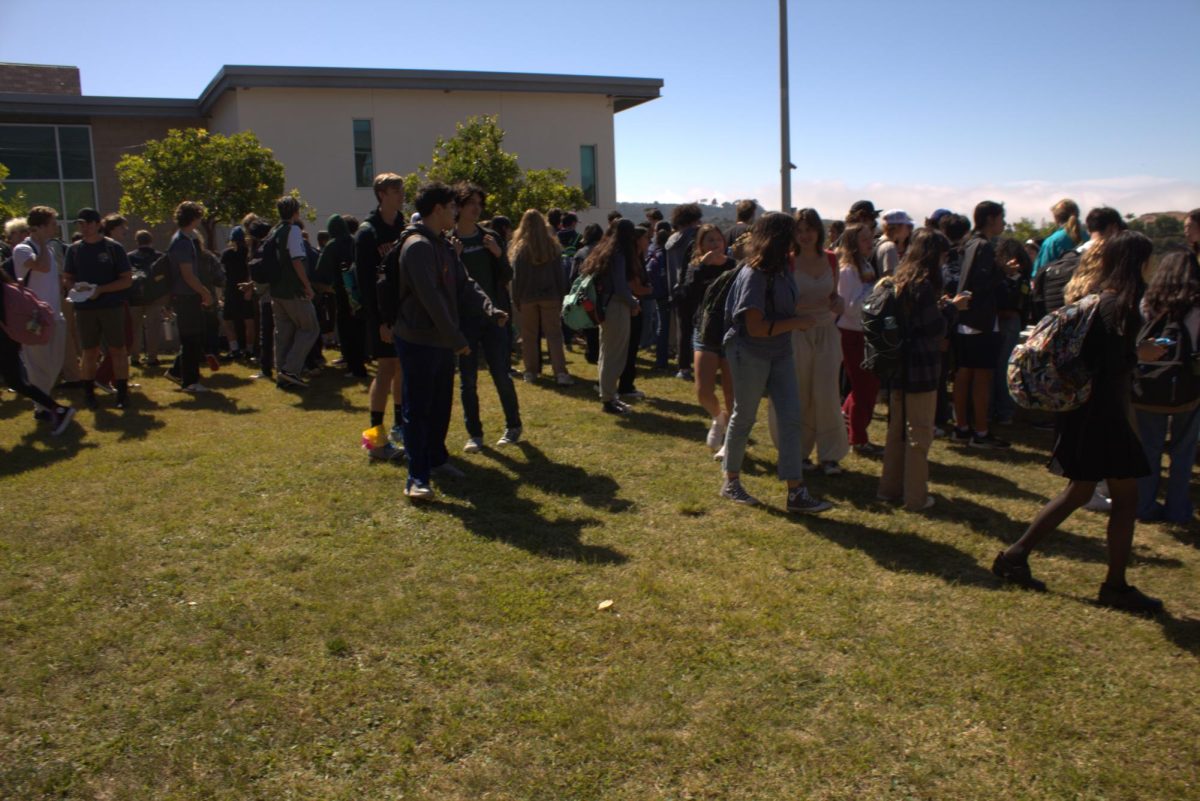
580,306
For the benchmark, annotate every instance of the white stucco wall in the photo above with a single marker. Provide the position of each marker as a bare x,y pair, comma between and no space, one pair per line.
310,131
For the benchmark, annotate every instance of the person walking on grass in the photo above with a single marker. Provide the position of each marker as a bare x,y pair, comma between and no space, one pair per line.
434,290
538,286
912,401
189,297
13,375
296,324
761,311
34,263
1097,441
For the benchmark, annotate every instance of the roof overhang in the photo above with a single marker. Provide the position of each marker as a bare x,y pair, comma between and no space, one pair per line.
625,92
58,105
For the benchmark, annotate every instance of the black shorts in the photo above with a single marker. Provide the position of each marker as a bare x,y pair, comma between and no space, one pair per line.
236,307
977,351
379,349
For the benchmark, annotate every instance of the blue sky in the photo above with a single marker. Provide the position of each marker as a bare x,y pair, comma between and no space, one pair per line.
912,104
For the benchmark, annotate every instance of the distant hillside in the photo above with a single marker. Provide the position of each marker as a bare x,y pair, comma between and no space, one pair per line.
722,215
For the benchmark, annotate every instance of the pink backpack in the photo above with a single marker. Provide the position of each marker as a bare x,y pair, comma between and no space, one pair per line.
28,320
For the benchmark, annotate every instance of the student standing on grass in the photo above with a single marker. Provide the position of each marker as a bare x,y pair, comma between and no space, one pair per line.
856,279
487,265
35,263
296,324
103,264
189,297
592,234
656,268
148,317
761,313
372,241
434,290
912,401
612,262
709,262
1097,441
685,220
817,349
238,308
538,286
897,231
1174,298
977,337
639,286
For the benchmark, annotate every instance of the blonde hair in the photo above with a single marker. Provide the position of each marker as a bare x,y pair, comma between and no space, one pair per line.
17,226
1088,275
534,240
1066,214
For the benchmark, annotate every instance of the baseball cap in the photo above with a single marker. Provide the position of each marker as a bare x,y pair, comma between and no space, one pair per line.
897,217
88,215
864,207
939,214
238,234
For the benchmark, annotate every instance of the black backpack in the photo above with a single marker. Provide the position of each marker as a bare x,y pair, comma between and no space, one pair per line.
387,284
1172,382
883,331
267,267
710,322
152,282
1050,285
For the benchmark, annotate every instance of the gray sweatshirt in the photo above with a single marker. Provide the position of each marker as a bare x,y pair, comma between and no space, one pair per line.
433,287
534,282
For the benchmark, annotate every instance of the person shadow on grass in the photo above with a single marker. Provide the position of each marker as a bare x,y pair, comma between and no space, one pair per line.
487,501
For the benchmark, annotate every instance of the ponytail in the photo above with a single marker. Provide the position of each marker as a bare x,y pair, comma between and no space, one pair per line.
1071,226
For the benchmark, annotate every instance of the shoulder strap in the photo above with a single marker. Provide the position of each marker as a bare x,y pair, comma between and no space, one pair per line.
968,261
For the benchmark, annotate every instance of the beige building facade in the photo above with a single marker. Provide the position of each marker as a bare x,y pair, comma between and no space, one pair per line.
331,128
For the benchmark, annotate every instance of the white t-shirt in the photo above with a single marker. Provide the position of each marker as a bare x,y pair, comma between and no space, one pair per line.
295,244
47,286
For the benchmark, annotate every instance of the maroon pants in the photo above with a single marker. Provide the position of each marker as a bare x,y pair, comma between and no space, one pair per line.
864,387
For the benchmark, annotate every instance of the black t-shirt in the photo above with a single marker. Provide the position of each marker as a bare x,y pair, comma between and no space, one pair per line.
98,263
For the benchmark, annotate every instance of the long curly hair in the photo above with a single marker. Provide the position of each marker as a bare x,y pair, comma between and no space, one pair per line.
771,241
922,262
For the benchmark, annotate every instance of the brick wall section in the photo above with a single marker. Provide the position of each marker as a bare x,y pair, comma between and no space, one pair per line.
39,79
112,138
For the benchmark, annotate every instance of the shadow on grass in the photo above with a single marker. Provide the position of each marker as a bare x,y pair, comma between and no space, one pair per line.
980,481
693,410
993,523
210,401
1183,631
132,423
13,405
322,395
641,419
227,380
493,509
27,455
900,552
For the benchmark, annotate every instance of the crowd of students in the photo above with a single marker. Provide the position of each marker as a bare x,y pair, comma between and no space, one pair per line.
772,308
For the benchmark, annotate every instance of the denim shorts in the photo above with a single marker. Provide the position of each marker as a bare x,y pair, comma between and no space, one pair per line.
699,346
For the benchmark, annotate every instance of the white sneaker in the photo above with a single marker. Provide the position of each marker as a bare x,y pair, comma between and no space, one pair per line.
529,377
564,380
716,432
511,437
196,388
719,456
1099,502
474,445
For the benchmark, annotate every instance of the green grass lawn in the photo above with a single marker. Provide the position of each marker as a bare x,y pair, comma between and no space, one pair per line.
219,598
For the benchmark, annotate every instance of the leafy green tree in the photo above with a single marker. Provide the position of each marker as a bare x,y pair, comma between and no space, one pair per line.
11,205
1025,229
475,154
230,175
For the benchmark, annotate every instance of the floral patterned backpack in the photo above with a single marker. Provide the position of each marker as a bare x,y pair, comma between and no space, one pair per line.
1047,372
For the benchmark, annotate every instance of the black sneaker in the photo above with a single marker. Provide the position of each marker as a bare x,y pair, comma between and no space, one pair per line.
1128,599
63,416
615,407
1016,571
961,436
799,500
732,490
291,378
988,442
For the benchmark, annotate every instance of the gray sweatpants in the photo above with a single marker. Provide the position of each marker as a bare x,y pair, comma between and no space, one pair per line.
296,329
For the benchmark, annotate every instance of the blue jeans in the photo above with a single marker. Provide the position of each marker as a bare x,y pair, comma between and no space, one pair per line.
1152,427
649,323
428,396
1003,406
752,376
662,334
493,341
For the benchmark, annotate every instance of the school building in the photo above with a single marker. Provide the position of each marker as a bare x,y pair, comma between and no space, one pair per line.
331,128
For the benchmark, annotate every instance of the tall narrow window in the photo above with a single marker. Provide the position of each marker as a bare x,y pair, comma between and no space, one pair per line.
364,155
587,173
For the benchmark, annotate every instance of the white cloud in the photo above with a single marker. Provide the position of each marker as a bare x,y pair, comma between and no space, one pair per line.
1138,194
